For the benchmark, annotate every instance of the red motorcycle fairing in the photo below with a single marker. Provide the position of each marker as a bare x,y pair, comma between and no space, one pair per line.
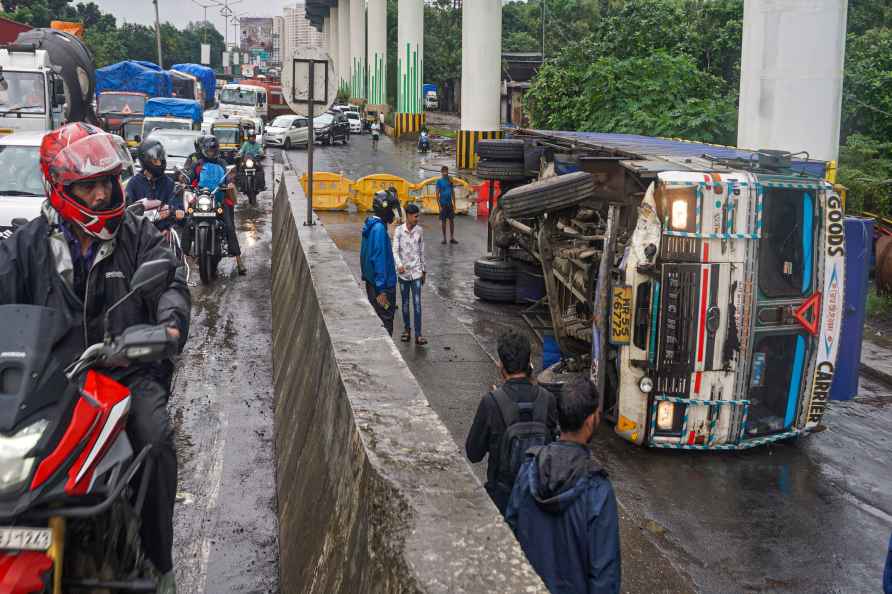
99,416
23,572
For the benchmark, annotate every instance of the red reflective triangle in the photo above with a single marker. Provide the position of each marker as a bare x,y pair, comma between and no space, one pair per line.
126,109
812,304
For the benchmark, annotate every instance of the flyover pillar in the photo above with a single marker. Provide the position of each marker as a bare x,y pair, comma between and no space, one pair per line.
481,78
377,32
409,116
357,49
330,29
343,63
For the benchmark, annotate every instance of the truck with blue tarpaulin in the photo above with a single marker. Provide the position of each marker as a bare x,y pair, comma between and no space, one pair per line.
135,77
171,113
207,78
700,287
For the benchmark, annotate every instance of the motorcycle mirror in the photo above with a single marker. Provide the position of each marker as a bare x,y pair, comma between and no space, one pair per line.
137,208
19,222
147,276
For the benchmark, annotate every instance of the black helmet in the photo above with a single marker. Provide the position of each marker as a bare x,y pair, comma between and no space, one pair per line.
151,150
386,205
209,147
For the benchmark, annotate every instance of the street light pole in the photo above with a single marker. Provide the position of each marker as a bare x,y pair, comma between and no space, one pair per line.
158,32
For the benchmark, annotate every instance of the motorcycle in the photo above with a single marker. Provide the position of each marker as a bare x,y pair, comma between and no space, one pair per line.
69,513
206,228
424,143
248,176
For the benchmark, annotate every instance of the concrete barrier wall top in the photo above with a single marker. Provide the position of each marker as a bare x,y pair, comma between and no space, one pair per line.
373,493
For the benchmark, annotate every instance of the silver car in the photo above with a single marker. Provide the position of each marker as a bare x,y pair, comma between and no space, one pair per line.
286,131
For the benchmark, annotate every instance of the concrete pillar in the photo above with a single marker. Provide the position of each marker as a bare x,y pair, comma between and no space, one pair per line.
481,78
377,91
330,28
343,64
409,116
357,48
791,51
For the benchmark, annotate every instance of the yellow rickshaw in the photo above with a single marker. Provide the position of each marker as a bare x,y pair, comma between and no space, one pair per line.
230,133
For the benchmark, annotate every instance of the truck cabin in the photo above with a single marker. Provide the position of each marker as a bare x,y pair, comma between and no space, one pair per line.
699,286
243,99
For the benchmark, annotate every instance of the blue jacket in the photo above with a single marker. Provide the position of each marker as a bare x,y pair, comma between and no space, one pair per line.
376,255
161,188
887,575
563,512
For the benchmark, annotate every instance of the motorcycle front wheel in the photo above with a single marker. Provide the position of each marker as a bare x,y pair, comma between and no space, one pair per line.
205,259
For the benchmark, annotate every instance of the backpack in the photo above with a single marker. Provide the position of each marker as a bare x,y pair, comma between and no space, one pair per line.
526,426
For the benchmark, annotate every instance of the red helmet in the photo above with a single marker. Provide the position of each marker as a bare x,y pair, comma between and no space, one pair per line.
80,152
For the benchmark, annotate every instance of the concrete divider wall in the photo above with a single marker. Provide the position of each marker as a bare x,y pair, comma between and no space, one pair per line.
373,494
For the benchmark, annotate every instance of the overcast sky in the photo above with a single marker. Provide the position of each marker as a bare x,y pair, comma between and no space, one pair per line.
181,12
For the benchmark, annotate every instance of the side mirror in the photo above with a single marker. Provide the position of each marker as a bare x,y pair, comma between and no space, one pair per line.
19,222
59,100
149,275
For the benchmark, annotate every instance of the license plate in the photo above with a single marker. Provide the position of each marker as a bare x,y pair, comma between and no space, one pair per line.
621,315
25,539
204,214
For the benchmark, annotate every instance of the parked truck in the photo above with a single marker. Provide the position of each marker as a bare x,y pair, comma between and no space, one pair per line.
171,113
700,287
46,78
429,92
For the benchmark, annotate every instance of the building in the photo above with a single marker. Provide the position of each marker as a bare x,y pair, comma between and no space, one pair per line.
277,54
299,32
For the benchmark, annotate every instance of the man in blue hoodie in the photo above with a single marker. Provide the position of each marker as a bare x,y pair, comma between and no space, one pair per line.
376,256
563,510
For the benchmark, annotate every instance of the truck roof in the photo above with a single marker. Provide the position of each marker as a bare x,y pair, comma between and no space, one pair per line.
241,86
635,146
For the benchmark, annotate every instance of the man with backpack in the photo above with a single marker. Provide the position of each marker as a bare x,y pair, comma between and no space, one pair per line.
563,510
511,419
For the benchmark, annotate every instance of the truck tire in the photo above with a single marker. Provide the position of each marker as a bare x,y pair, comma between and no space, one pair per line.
553,193
554,378
495,269
496,292
500,150
501,170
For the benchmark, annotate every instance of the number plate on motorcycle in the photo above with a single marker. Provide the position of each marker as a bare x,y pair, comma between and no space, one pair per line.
204,214
621,315
25,539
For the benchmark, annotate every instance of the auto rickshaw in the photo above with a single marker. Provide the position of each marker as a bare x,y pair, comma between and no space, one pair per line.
230,133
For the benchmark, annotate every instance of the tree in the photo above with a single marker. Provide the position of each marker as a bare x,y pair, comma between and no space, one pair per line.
657,95
867,89
442,43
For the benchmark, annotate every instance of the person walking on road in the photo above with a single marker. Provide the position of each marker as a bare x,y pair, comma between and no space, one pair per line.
376,257
510,419
563,509
446,198
408,255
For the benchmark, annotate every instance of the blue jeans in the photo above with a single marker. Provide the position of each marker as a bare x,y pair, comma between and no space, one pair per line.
413,286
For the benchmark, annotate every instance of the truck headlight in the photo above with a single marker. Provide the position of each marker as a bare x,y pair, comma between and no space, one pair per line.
646,385
665,415
680,214
15,468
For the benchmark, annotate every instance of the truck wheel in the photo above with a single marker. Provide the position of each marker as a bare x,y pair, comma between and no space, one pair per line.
495,269
500,150
501,170
496,292
551,194
554,378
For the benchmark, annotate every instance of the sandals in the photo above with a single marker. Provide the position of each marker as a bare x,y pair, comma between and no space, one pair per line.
405,336
420,340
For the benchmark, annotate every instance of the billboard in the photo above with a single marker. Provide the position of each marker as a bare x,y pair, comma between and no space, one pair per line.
257,34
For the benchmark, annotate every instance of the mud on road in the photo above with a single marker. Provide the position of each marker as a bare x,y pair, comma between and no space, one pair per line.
225,530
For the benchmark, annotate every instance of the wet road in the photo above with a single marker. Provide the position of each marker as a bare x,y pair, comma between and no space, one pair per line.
225,525
808,516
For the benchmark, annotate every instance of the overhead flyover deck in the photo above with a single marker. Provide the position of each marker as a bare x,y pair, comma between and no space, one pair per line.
650,148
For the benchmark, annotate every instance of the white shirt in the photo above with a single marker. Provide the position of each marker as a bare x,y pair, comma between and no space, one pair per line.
408,251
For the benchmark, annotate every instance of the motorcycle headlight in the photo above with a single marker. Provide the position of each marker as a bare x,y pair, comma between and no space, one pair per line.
680,214
15,468
249,164
646,385
665,415
204,203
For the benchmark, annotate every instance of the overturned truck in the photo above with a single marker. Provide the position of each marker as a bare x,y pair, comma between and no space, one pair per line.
701,287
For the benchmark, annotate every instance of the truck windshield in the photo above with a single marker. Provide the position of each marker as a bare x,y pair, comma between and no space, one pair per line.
23,92
786,250
132,129
111,103
148,127
238,97
21,165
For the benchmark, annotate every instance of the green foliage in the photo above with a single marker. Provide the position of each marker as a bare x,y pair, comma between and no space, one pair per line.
867,103
442,43
865,168
657,95
343,95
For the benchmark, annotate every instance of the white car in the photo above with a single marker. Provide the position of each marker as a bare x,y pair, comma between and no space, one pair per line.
287,131
355,121
178,145
21,191
208,120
